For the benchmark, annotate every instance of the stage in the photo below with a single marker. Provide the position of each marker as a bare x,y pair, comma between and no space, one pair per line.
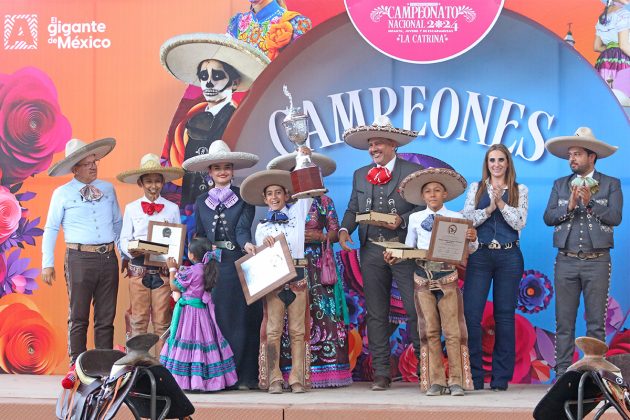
27,397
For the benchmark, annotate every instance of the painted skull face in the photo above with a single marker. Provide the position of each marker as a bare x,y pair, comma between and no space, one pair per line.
214,81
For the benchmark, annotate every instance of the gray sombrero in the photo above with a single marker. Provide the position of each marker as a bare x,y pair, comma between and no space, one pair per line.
181,55
77,150
150,164
253,186
411,186
219,152
583,137
358,137
287,162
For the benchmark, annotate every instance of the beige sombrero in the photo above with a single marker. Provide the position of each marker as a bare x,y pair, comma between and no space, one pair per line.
77,150
253,186
181,55
150,164
287,162
583,137
219,152
358,137
411,186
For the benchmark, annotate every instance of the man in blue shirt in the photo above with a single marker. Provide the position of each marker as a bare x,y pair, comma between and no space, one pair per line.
87,209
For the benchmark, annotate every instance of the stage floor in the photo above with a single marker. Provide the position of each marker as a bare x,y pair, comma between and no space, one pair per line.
35,396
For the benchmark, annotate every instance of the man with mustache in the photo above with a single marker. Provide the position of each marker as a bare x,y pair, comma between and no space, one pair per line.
583,207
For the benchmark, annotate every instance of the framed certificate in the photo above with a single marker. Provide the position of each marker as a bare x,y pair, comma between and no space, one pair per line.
448,240
171,234
270,268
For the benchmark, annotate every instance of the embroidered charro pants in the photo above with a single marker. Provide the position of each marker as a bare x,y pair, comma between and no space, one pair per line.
271,332
440,308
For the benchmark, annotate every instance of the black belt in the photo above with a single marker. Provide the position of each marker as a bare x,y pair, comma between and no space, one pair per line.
229,245
581,255
496,245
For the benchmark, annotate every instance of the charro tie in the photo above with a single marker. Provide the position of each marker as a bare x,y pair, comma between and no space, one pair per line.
90,193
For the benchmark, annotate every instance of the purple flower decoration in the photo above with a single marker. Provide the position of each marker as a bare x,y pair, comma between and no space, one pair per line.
614,316
535,292
26,232
17,278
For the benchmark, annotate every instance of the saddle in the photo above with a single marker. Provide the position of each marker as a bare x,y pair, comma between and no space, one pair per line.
110,378
588,382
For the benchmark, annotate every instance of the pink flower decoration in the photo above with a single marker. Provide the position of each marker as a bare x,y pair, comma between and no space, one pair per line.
408,365
10,214
32,127
19,283
243,24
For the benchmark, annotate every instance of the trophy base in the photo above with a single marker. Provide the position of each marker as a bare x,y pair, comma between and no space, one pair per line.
307,182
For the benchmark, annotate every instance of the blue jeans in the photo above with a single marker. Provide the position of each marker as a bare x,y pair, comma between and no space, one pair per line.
504,269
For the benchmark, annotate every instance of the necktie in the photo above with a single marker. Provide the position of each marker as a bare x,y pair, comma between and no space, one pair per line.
90,193
427,224
276,216
150,208
379,175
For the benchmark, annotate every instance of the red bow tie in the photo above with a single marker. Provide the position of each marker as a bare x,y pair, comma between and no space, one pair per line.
379,175
150,208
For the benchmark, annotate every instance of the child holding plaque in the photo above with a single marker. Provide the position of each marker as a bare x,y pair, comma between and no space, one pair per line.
196,353
438,299
149,293
272,188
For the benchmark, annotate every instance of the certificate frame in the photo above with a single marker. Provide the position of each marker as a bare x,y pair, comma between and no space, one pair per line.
448,240
266,271
171,234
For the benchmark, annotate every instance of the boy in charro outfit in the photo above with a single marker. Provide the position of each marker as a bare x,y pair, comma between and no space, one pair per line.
439,302
149,290
272,188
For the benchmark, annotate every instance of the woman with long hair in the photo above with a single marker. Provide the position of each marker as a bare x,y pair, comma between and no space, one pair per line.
497,206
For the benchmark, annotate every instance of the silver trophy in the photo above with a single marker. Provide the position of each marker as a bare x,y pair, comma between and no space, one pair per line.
306,177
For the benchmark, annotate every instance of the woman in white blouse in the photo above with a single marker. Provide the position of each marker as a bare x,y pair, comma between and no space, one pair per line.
497,205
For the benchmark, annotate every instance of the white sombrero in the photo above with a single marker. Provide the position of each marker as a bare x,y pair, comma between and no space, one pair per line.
358,137
583,137
287,162
77,150
219,152
182,54
150,164
411,186
253,186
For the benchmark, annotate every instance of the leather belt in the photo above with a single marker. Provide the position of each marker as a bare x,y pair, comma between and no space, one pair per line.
99,248
581,255
381,238
436,266
496,245
229,245
300,262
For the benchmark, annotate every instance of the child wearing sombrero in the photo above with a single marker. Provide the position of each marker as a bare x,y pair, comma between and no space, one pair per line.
149,290
439,302
272,188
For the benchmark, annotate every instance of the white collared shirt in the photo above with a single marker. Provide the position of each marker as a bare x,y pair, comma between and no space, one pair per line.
420,238
293,230
136,222
389,165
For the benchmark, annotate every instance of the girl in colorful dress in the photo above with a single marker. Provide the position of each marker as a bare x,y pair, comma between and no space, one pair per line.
612,40
268,26
196,353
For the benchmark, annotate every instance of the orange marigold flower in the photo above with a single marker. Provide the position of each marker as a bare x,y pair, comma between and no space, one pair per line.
279,35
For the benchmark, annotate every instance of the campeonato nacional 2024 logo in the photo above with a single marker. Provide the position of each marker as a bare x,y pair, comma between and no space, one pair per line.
423,32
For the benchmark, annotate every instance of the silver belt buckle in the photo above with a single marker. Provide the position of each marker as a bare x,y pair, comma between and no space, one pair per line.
101,249
229,245
380,238
581,255
494,244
